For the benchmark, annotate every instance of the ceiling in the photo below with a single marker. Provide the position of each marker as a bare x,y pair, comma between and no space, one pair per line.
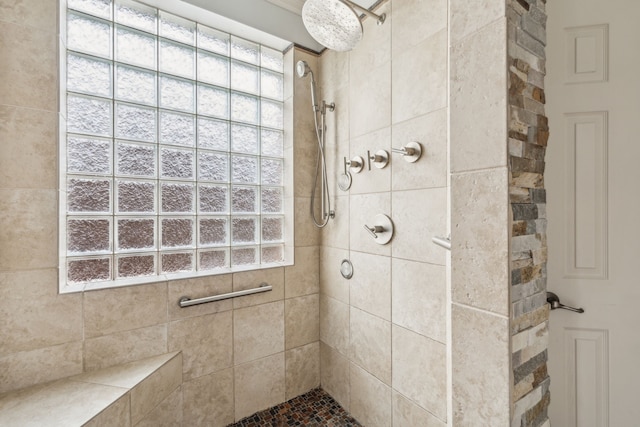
280,18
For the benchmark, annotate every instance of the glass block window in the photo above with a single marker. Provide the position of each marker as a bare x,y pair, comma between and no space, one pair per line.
173,158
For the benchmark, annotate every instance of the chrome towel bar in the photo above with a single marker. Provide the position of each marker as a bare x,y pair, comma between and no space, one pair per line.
187,302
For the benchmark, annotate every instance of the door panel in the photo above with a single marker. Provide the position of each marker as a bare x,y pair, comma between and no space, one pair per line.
593,210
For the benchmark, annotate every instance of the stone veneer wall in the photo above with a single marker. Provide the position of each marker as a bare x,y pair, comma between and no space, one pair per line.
528,135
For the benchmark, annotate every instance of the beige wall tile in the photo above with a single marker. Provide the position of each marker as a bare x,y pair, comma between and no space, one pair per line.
24,369
303,278
364,208
419,298
370,87
479,100
332,284
336,233
155,388
430,130
370,287
258,331
375,47
334,69
302,321
466,20
334,324
29,151
418,215
408,414
118,414
125,346
34,13
28,229
34,314
259,385
420,370
480,248
121,309
167,414
302,369
374,180
205,342
253,279
306,233
481,361
416,20
29,60
370,400
208,400
370,339
420,79
198,287
334,374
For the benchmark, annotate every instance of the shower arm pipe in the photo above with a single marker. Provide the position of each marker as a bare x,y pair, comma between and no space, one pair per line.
379,18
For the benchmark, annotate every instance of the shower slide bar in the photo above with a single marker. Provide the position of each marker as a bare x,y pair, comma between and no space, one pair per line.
188,302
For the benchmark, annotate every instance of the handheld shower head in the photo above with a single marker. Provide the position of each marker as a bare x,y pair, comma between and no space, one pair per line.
302,68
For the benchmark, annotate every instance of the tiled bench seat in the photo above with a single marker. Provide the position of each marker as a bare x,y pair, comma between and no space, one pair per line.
140,393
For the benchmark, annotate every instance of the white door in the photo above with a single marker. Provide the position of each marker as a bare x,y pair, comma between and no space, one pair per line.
593,209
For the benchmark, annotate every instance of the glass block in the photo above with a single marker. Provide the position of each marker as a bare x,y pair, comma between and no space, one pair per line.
272,171
176,28
136,234
88,75
88,115
134,122
88,155
177,232
135,48
213,101
271,59
244,256
245,77
272,114
176,263
178,197
177,59
176,163
134,266
177,129
213,166
272,254
213,198
213,134
210,260
271,200
244,169
88,34
272,142
245,50
101,8
244,230
271,85
134,196
244,139
136,15
88,235
244,108
177,94
244,199
88,195
213,40
213,231
136,160
136,85
213,69
272,229
88,270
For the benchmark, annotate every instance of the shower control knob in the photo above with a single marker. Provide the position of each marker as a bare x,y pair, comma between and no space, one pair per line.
356,164
380,159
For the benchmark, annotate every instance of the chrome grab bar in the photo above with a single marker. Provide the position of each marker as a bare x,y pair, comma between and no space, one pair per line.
188,302
445,242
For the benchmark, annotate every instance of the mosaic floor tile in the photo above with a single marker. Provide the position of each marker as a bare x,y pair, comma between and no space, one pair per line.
315,409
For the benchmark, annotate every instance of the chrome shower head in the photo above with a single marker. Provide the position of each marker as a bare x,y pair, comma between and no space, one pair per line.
302,68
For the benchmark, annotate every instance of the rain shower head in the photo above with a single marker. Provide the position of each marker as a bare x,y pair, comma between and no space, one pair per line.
335,23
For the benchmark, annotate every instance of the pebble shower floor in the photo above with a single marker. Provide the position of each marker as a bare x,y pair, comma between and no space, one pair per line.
315,408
